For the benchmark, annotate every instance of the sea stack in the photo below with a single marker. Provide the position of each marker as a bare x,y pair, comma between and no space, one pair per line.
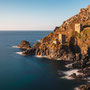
24,45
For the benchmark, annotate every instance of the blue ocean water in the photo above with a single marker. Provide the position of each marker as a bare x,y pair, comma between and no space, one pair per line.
19,72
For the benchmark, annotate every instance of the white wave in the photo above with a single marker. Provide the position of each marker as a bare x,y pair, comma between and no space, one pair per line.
39,56
76,88
39,40
69,65
88,79
70,72
20,53
15,47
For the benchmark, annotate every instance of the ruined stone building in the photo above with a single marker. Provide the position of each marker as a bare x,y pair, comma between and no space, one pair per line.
78,27
62,38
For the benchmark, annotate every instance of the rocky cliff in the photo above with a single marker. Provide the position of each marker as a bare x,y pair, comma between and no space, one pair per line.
67,42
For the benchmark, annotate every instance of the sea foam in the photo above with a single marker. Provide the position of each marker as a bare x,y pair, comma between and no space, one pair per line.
39,56
39,40
20,53
88,79
76,88
68,65
70,72
15,47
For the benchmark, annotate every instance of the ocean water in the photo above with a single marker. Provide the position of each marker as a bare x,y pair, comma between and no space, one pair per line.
19,72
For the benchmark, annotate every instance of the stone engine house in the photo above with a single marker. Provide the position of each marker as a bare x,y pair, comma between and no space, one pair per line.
78,27
62,38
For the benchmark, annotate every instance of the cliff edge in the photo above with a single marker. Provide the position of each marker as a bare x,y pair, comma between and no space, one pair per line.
69,41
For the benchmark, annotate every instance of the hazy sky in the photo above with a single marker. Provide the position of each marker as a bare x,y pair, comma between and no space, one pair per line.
37,14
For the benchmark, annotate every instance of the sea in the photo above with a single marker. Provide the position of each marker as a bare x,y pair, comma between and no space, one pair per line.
18,72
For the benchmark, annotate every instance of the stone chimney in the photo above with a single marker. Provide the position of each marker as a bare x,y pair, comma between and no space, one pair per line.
78,27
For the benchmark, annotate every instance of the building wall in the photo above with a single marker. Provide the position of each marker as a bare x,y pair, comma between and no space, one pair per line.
78,27
62,38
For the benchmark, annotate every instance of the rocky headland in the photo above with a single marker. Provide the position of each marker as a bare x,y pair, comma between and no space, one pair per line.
69,42
24,45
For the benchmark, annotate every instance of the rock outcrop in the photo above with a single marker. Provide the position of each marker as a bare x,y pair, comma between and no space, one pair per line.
24,45
31,51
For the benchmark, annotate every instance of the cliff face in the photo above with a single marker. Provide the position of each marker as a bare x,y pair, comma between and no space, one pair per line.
75,43
70,41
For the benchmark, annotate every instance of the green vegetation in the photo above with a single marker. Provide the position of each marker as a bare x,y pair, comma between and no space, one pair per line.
86,33
83,35
77,35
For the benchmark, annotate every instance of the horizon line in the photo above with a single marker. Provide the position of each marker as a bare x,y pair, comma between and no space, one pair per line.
26,30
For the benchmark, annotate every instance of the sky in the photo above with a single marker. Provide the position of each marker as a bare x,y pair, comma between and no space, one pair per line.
37,14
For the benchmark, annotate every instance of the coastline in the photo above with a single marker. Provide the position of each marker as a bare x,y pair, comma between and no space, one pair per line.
69,42
66,74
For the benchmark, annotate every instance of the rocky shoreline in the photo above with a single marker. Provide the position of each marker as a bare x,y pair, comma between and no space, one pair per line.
70,42
77,70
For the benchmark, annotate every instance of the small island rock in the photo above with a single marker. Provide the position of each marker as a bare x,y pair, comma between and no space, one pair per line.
24,45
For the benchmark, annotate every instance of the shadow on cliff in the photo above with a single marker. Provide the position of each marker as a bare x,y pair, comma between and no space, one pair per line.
74,48
86,26
89,52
